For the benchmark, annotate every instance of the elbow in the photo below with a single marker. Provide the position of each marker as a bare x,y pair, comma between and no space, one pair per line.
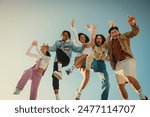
135,33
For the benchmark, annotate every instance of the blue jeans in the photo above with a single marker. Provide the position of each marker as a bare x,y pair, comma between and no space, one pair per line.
98,67
105,86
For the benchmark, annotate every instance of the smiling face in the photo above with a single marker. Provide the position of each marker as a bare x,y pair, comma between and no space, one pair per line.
82,38
114,33
98,40
65,36
44,49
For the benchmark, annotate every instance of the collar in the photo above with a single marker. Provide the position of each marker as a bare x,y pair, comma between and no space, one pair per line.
68,40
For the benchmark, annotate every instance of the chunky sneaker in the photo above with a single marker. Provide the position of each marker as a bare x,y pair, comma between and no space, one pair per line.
58,75
17,91
146,98
68,71
78,94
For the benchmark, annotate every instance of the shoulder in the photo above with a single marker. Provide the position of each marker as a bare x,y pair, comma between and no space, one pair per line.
70,42
58,41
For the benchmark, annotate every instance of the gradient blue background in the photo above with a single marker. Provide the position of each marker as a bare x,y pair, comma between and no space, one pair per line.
22,21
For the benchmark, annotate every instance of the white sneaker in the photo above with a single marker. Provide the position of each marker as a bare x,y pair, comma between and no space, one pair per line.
17,91
58,75
78,94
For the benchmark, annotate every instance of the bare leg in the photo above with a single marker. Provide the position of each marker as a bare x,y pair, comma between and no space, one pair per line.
136,86
77,63
80,60
134,83
86,77
123,91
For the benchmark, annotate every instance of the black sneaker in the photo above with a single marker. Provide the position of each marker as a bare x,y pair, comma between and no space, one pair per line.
68,71
146,98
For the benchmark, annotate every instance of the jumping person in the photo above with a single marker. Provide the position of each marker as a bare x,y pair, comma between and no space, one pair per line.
36,72
96,62
99,47
122,60
63,49
79,40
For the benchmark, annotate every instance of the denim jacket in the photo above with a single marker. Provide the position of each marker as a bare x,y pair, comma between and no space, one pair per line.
67,46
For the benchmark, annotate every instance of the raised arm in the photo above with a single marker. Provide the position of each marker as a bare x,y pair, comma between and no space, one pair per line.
92,29
106,43
135,28
53,47
76,40
44,57
28,53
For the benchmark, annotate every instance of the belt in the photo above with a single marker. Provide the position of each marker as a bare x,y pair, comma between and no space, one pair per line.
40,70
127,57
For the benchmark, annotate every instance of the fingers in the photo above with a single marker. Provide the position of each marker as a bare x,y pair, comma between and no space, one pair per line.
131,20
90,26
111,23
34,43
72,22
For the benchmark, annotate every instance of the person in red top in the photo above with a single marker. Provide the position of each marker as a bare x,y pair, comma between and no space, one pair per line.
122,60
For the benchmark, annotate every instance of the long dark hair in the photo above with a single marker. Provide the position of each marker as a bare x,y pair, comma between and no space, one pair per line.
86,37
103,39
48,53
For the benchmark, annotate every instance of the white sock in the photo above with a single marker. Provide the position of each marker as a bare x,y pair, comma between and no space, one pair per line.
57,96
59,66
80,90
140,93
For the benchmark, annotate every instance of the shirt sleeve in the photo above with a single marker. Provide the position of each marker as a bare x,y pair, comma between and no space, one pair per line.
53,48
134,32
32,55
76,39
45,58
76,49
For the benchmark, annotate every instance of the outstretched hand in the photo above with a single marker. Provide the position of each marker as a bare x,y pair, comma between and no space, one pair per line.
34,43
131,20
72,23
111,23
91,26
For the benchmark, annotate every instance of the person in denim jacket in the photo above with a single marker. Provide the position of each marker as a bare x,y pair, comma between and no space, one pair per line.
63,49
